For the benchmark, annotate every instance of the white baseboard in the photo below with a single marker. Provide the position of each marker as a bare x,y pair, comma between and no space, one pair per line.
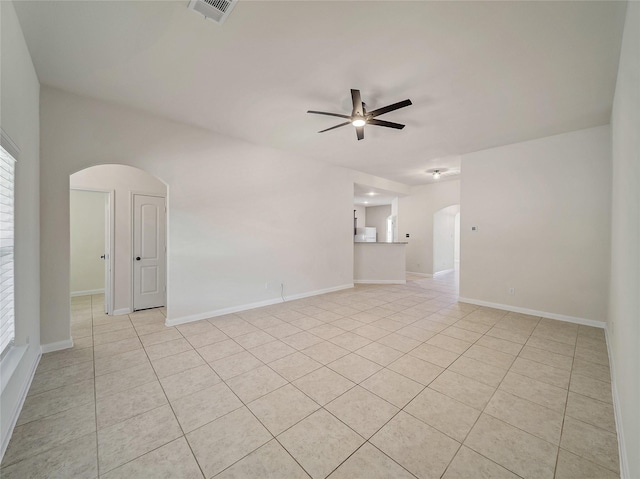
380,281
622,449
245,307
424,275
15,413
118,312
444,271
88,292
533,312
57,346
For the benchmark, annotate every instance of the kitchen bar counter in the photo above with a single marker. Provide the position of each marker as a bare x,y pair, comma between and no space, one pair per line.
379,263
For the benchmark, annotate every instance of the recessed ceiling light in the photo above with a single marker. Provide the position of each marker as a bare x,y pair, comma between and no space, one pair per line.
366,202
436,174
372,193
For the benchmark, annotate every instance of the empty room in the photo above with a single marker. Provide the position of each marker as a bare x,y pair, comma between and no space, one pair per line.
319,239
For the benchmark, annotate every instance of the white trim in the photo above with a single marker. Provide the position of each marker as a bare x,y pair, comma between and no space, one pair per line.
13,417
425,275
8,144
87,292
10,363
118,312
622,450
444,271
57,346
245,307
533,312
380,281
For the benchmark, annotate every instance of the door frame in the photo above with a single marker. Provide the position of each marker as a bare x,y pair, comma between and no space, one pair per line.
133,193
109,285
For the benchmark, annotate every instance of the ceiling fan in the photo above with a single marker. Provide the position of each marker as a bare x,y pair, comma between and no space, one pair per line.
360,116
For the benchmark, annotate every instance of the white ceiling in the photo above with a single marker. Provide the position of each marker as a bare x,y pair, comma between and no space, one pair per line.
480,74
364,195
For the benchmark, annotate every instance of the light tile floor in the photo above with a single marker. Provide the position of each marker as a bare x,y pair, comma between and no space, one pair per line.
385,381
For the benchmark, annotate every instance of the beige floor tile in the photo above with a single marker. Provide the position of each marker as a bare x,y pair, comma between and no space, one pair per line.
305,323
379,353
555,360
35,437
74,459
354,367
221,443
362,411
592,355
590,387
468,464
464,389
388,324
272,351
371,332
112,336
590,442
447,415
370,463
492,357
591,411
559,335
127,440
592,370
399,342
591,333
149,327
323,385
219,350
117,347
538,392
438,356
512,448
393,387
205,338
551,346
454,345
294,366
483,372
256,383
419,448
118,407
538,420
171,460
235,328
168,348
463,334
508,335
518,322
53,379
122,380
413,332
189,382
326,331
320,443
502,345
571,466
121,361
62,359
235,365
282,408
347,324
204,406
433,326
266,322
269,461
416,369
251,340
302,340
542,372
325,352
175,364
195,328
160,337
57,400
473,326
350,341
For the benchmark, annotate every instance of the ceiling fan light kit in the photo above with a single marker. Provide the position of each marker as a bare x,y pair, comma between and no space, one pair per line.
360,116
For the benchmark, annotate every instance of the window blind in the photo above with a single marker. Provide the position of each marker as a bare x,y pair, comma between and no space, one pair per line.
7,311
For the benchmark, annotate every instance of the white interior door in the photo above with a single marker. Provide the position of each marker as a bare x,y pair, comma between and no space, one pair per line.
107,254
149,252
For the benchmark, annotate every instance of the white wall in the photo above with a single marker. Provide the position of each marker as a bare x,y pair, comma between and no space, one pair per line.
19,120
377,218
239,214
624,306
87,217
444,238
124,180
542,209
456,246
416,218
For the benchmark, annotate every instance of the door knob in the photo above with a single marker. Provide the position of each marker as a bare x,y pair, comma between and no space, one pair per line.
103,256
137,258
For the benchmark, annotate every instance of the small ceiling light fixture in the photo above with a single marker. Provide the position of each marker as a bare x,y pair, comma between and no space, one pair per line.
436,174
372,193
358,121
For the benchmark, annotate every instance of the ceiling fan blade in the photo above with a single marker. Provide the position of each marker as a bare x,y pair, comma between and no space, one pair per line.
357,103
360,132
328,114
337,126
387,109
388,124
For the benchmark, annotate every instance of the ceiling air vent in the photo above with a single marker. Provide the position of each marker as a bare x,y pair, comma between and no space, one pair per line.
216,10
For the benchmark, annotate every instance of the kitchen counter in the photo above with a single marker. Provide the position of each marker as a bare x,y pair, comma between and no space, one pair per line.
379,263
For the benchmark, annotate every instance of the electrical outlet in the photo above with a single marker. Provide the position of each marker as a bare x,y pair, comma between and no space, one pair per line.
512,291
